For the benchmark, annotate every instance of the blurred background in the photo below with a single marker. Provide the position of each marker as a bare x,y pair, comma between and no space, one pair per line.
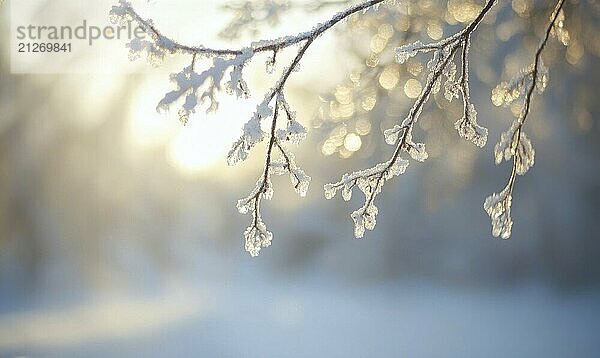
119,234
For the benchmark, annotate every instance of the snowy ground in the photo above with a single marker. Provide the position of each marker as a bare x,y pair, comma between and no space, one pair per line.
310,319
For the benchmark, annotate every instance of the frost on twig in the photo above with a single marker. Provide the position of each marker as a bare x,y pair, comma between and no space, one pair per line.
498,208
194,87
256,235
369,181
514,144
506,93
441,68
156,48
444,51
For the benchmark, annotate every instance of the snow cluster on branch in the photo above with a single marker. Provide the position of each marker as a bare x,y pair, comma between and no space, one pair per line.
447,71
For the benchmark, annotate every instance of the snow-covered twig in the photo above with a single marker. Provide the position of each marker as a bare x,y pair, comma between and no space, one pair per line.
371,181
514,144
125,11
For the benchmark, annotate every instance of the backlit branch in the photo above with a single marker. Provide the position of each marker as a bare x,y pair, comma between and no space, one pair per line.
371,181
125,11
514,144
194,88
447,71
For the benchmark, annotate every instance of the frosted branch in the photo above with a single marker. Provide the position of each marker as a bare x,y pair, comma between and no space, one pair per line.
256,235
195,88
371,181
124,11
447,72
514,144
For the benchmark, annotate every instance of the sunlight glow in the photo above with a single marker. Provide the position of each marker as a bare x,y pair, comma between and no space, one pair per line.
204,142
199,146
193,148
207,139
147,127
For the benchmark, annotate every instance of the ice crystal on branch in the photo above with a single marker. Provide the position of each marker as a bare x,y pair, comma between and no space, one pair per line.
369,181
497,207
118,13
404,52
137,47
300,181
415,150
558,29
294,132
468,128
514,144
256,236
155,49
252,134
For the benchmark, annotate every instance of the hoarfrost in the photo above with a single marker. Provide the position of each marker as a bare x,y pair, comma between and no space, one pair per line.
497,206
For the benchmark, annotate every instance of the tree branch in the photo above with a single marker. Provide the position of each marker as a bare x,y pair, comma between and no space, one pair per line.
514,144
189,86
371,181
125,9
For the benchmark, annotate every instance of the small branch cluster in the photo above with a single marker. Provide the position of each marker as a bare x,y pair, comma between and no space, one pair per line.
256,235
514,144
194,88
441,65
